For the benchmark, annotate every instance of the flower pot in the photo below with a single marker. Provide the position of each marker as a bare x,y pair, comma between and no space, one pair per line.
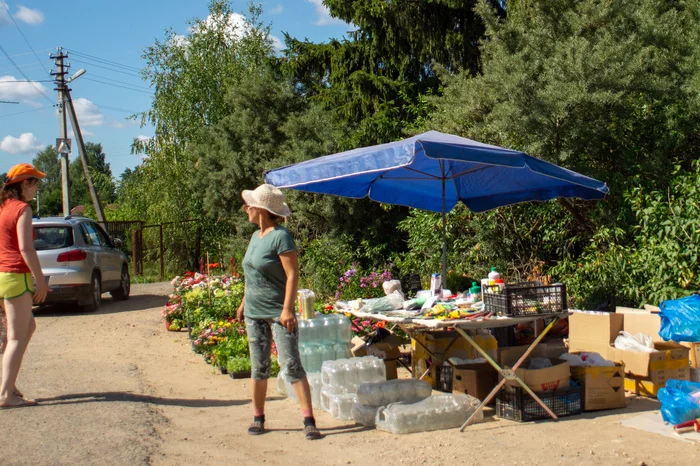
223,370
239,375
167,325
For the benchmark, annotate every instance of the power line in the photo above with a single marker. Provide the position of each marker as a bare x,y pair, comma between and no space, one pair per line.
23,74
117,85
21,66
27,111
121,82
107,68
27,53
28,81
105,61
117,109
25,38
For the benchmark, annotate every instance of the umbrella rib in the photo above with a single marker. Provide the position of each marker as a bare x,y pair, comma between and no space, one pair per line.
430,177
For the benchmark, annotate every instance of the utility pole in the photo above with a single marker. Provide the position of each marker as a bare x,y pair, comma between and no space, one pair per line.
65,103
62,144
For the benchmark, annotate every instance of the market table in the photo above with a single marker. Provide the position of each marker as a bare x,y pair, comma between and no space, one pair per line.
413,325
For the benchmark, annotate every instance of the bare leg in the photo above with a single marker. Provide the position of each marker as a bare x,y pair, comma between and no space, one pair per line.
20,327
259,392
303,393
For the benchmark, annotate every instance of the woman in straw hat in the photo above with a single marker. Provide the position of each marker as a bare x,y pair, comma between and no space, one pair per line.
18,262
271,279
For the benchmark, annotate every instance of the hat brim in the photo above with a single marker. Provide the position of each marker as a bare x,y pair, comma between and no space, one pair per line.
249,198
34,173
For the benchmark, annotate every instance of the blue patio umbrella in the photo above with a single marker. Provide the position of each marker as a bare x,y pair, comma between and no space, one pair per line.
433,171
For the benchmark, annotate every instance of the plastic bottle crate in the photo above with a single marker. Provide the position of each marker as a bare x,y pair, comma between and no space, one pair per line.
518,405
525,299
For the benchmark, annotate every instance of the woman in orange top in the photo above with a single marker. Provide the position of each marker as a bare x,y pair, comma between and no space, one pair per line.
18,262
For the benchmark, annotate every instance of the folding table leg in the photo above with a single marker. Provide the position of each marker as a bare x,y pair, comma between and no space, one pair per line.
508,374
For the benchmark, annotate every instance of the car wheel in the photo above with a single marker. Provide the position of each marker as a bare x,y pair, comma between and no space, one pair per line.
95,294
122,293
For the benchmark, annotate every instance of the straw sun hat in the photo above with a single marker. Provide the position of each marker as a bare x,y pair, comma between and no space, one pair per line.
267,197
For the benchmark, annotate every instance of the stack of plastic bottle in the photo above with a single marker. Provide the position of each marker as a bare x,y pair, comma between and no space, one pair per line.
433,413
324,338
372,396
284,387
340,379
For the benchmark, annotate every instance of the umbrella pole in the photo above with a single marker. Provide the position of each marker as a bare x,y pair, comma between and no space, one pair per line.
444,227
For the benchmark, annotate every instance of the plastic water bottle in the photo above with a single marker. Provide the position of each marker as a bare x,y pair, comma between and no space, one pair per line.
315,384
433,413
312,357
281,383
341,351
327,352
363,414
303,330
341,405
345,330
312,332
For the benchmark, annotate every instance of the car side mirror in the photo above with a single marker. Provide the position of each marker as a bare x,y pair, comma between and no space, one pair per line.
117,242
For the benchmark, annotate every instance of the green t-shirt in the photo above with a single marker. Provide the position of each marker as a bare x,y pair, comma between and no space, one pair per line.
265,280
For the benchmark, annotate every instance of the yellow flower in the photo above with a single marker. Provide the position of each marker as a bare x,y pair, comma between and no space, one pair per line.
227,324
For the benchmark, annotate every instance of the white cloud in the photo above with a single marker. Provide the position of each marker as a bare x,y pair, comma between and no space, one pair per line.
29,15
277,44
12,89
25,143
88,113
142,138
324,16
277,10
85,133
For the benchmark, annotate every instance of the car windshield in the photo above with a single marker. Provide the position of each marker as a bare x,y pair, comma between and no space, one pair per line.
53,237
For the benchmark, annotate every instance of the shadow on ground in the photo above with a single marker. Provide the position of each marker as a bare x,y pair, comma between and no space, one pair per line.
101,397
109,306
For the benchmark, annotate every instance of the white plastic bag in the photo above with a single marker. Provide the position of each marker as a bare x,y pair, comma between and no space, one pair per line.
587,359
390,286
638,342
539,363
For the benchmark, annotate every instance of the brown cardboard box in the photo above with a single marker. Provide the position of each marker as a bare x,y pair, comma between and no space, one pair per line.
650,386
694,352
476,380
642,322
667,357
594,332
548,379
603,387
509,355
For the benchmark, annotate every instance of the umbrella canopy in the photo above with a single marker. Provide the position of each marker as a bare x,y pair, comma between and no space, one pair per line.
433,171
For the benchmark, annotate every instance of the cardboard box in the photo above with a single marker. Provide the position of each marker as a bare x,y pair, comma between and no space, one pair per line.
643,322
694,374
476,380
603,387
694,354
548,379
668,356
650,386
594,332
552,349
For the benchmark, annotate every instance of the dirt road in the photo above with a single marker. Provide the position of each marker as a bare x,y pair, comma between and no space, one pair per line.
115,388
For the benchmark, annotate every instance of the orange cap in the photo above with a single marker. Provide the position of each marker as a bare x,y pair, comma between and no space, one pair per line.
21,172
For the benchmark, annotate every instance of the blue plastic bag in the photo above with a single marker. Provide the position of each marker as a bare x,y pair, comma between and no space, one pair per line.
680,319
680,401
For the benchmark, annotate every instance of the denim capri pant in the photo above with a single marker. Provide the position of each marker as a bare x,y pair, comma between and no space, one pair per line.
260,335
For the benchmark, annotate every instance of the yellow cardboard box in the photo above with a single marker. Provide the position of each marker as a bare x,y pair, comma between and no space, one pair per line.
603,387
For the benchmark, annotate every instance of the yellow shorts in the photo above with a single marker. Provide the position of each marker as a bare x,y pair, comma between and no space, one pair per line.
14,285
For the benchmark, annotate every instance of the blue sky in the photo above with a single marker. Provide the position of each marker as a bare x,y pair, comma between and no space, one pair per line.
99,32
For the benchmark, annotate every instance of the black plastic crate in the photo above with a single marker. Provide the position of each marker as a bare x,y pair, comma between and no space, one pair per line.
517,404
526,299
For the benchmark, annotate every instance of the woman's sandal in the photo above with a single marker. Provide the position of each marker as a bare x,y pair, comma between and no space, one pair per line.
311,433
256,428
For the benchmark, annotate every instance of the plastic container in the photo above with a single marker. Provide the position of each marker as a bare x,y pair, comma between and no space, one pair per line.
306,302
363,414
346,374
433,413
518,405
312,357
527,299
392,391
475,291
493,276
336,402
435,285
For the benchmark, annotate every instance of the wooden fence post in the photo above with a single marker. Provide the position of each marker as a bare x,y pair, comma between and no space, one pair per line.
136,252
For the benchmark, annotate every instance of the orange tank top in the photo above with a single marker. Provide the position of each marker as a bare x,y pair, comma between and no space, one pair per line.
11,259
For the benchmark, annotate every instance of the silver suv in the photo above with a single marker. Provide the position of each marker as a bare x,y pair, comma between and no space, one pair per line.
80,261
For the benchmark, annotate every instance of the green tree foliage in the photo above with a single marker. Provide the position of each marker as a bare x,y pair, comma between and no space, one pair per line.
50,193
101,175
190,77
375,81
